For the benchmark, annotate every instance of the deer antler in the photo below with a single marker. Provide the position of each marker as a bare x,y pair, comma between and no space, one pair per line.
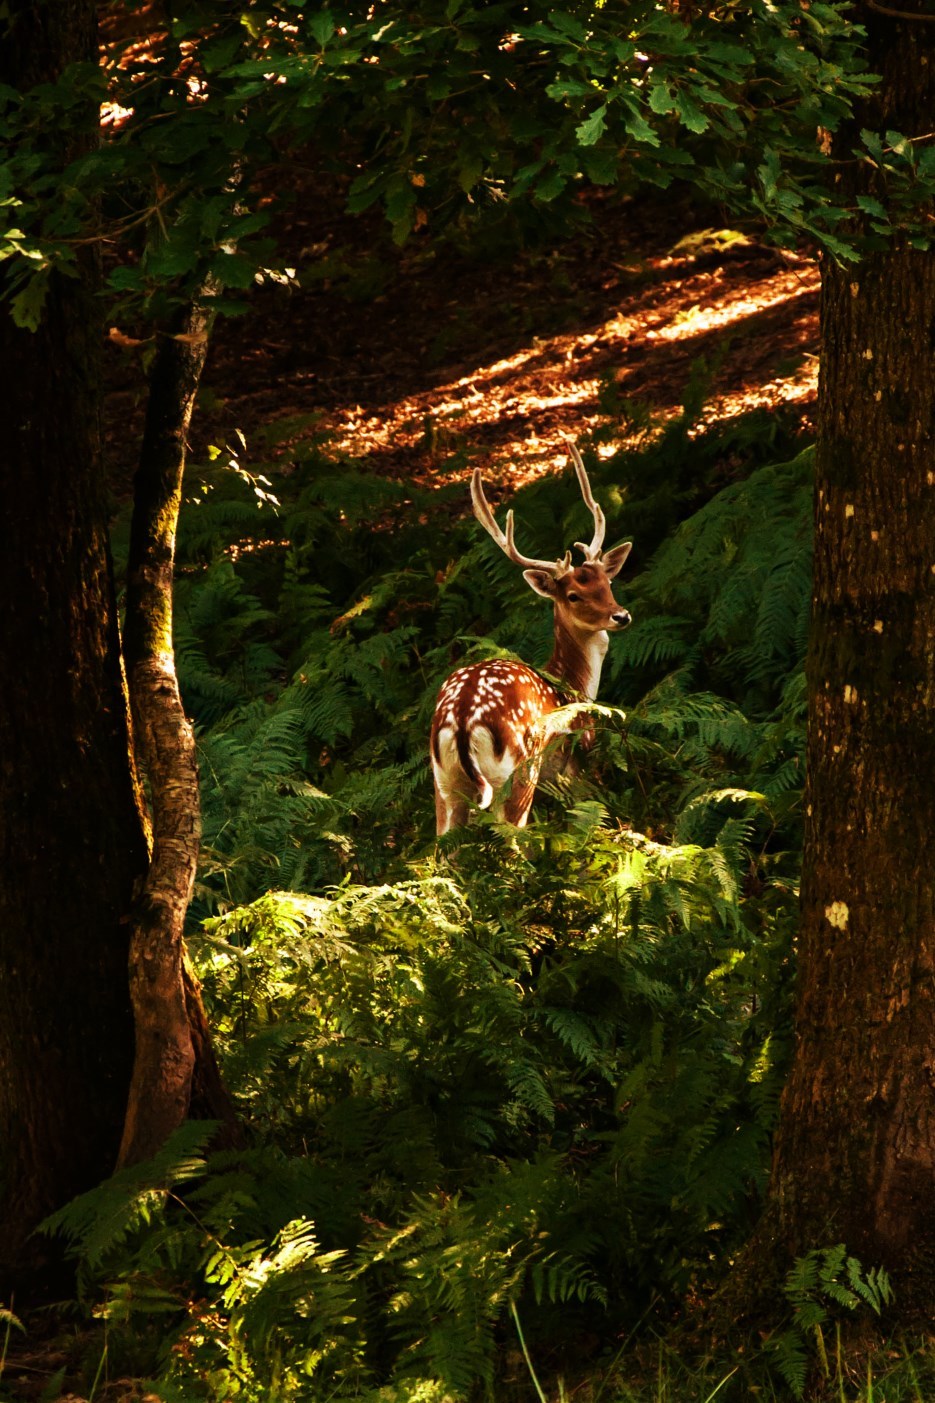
592,553
504,540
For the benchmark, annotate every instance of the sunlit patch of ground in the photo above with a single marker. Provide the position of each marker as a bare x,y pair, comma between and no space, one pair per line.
448,363
510,414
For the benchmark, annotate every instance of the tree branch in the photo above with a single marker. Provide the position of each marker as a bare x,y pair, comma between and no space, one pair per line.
172,1043
898,14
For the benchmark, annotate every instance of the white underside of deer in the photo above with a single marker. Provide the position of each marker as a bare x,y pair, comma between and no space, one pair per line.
493,720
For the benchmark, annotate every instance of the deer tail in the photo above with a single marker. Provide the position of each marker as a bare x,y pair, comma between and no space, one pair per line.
485,792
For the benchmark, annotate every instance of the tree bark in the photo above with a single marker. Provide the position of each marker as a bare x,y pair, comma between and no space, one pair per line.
855,1151
174,1056
72,844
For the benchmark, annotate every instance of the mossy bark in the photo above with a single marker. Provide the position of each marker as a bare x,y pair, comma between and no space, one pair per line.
174,1067
855,1152
72,843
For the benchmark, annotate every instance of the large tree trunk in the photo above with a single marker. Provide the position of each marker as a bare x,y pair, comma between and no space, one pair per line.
855,1153
72,847
75,876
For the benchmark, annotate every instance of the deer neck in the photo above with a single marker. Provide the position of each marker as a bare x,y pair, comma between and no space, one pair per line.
577,658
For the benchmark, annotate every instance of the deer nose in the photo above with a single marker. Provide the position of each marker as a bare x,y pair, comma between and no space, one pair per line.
621,618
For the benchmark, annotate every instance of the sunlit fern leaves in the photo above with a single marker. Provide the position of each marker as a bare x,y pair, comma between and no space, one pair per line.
456,1079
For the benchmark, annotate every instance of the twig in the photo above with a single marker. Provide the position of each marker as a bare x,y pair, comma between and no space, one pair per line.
896,14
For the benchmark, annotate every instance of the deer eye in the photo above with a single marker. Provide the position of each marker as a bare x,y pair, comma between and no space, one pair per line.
572,597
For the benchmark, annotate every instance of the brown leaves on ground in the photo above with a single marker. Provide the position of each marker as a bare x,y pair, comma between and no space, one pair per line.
421,365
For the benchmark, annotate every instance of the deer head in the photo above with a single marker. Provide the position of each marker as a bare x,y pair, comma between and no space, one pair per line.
583,600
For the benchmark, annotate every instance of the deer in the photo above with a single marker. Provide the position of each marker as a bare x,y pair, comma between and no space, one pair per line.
491,720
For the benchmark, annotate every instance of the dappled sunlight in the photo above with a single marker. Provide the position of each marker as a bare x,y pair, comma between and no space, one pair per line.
798,388
509,415
449,366
699,319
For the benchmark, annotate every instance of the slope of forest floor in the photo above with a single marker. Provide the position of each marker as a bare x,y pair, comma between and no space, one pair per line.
418,362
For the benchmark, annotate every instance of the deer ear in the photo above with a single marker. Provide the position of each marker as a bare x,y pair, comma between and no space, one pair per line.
541,581
612,560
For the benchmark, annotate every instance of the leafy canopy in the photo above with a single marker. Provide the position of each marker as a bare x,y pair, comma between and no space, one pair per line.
441,115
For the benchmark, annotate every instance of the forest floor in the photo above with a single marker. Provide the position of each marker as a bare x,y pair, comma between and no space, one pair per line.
420,364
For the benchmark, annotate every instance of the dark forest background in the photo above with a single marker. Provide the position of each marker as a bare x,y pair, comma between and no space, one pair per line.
499,1115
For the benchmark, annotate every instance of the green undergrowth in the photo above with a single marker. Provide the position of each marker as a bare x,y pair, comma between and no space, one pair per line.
551,1092
498,1131
312,638
508,1097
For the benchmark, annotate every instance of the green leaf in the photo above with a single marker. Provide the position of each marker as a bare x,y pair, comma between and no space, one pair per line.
927,162
769,173
567,24
437,88
233,270
553,185
660,98
729,53
219,54
872,206
126,279
26,307
569,87
639,128
321,26
365,191
845,253
601,165
54,1388
400,200
873,143
470,173
592,128
690,115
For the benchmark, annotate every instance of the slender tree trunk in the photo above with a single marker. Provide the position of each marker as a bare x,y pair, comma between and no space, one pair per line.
855,1153
174,1067
72,845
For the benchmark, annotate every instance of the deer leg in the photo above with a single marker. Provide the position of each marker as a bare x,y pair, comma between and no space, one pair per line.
522,792
451,811
516,809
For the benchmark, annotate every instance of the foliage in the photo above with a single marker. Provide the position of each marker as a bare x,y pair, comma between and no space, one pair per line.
520,1074
547,1093
440,116
311,661
555,1089
824,1280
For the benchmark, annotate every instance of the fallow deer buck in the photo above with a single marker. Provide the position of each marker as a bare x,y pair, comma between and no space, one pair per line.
491,719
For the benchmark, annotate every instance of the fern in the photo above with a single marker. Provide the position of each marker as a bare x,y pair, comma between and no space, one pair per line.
99,1222
527,1070
818,1282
